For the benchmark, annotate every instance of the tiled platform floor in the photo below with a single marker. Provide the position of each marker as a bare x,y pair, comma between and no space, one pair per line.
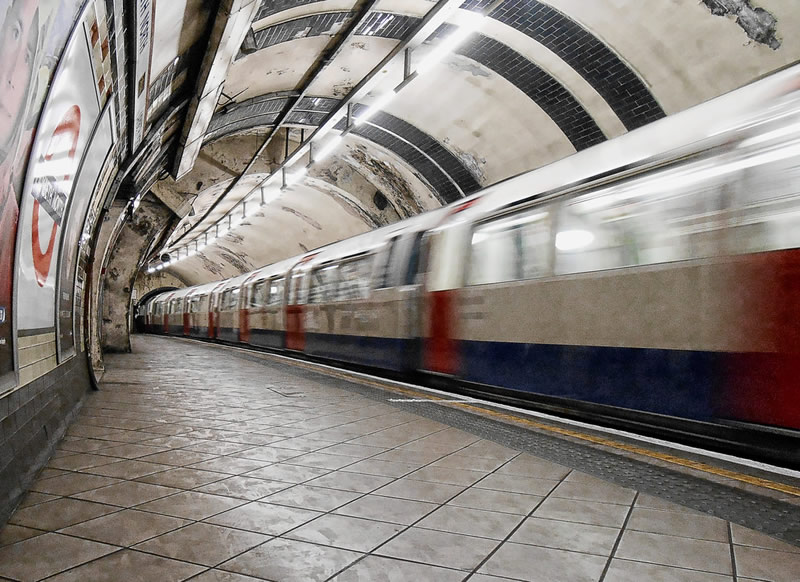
192,463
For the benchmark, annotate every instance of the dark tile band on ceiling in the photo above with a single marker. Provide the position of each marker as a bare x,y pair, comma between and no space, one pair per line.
438,166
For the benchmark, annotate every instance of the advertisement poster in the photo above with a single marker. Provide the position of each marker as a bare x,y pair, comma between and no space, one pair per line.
63,132
32,36
85,186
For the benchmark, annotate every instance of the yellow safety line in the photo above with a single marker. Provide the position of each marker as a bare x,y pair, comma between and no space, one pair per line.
757,481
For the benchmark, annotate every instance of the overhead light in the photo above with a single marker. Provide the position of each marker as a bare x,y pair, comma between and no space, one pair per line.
327,149
376,106
572,240
449,44
151,270
159,266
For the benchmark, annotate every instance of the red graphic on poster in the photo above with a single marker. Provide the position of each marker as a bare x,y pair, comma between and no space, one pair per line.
46,191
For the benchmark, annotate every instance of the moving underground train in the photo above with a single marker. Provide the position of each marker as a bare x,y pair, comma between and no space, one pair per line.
652,282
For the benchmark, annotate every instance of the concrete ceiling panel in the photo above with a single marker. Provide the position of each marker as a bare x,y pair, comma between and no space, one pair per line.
494,128
578,86
179,24
356,59
278,68
301,219
303,10
686,54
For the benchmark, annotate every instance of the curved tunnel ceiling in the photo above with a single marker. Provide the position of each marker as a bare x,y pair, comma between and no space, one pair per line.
536,82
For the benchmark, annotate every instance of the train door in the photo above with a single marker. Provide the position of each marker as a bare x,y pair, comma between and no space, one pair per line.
213,315
167,306
295,306
187,302
245,305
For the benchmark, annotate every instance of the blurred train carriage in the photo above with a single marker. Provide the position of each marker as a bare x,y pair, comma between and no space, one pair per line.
653,278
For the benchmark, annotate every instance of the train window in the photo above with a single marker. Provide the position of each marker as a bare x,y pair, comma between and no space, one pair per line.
766,208
234,299
511,248
495,254
414,262
677,214
384,276
355,278
258,294
225,301
298,291
324,284
276,289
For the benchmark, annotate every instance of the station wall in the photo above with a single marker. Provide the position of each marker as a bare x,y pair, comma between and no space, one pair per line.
58,136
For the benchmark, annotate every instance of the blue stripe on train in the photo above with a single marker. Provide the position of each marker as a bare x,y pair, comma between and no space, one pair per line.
673,382
228,334
380,352
267,338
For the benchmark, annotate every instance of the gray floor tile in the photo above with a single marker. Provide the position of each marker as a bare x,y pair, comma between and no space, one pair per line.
132,451
71,483
203,543
627,571
130,469
389,509
229,465
448,475
130,566
702,527
766,564
268,454
596,490
527,465
350,481
747,537
243,487
34,498
191,505
457,461
53,515
288,473
350,533
474,522
378,569
183,478
322,460
316,498
264,518
222,576
382,468
565,535
517,484
591,512
674,551
125,528
535,564
48,554
127,493
80,461
11,534
438,548
503,501
408,488
178,458
291,561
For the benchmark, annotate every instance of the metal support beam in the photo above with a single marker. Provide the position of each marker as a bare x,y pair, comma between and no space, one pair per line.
436,16
231,25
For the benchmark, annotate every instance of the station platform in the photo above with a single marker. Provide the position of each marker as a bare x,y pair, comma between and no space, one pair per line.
217,464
